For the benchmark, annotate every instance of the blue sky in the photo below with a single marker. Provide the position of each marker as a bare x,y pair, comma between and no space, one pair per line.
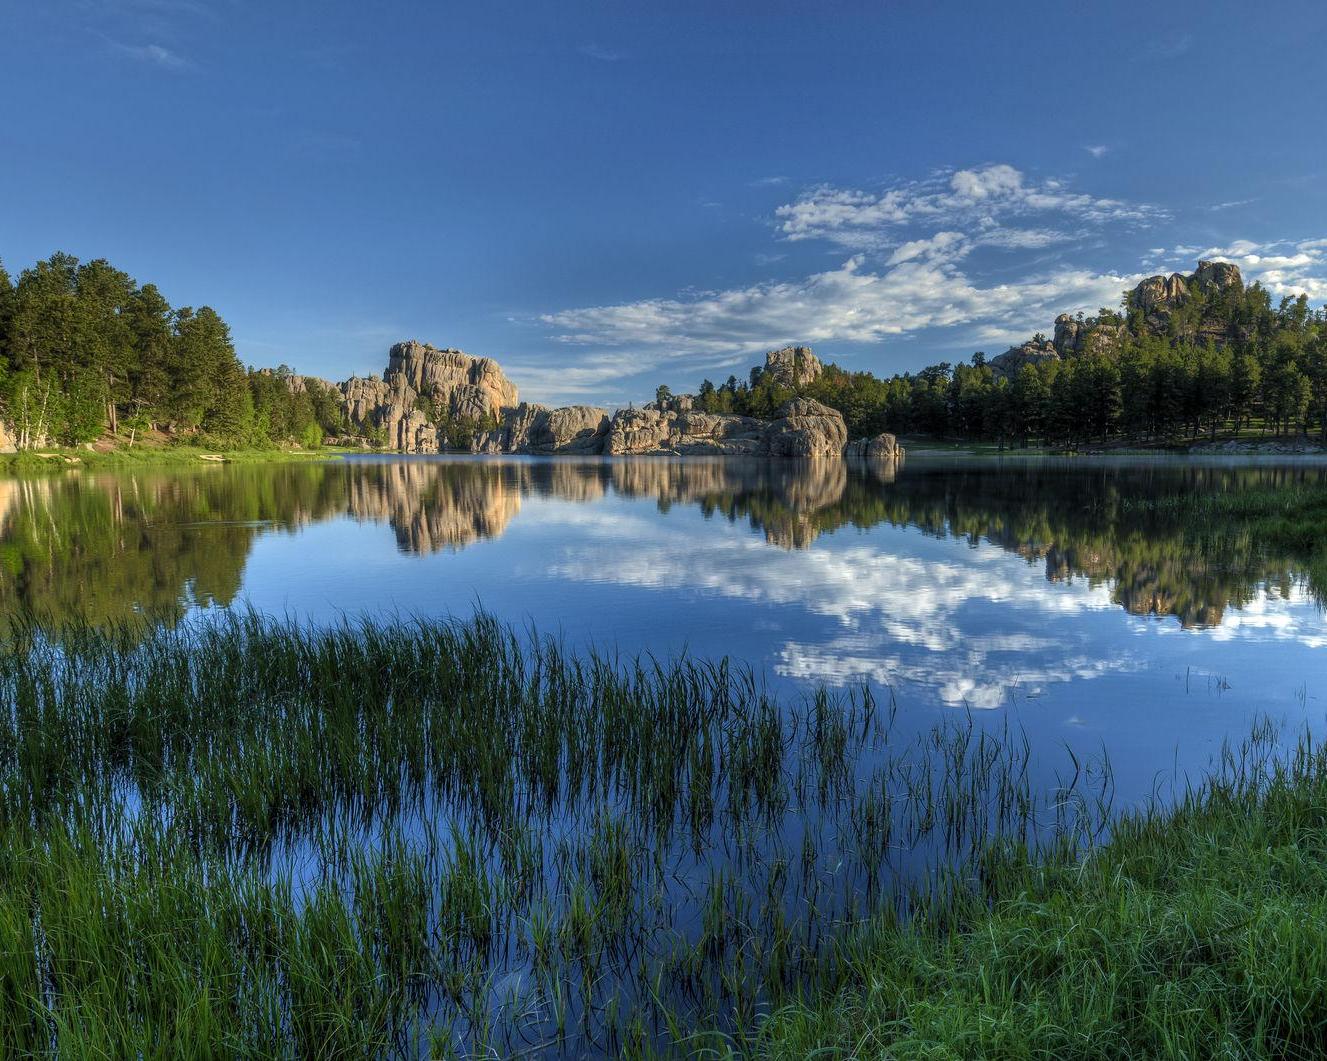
605,196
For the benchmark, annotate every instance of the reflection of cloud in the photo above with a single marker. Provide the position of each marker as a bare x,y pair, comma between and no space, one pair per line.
1276,615
896,616
968,623
972,679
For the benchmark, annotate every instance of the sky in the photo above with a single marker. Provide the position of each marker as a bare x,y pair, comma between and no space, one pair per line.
609,196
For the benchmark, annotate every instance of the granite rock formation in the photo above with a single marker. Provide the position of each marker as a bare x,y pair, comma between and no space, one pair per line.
883,447
1162,305
802,428
421,380
1076,336
1008,364
467,387
793,366
537,429
1160,300
421,377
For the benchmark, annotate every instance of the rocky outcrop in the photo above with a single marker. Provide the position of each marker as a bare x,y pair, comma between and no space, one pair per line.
1008,364
420,382
467,387
808,429
1159,299
652,430
537,429
1076,336
1160,305
803,428
391,407
298,384
793,366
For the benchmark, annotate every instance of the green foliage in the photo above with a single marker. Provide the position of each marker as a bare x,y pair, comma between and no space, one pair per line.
1148,388
85,353
1196,933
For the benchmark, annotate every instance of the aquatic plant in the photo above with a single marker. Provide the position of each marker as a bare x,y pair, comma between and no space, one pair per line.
415,837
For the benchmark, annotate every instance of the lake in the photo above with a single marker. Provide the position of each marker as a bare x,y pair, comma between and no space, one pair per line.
1016,585
1066,607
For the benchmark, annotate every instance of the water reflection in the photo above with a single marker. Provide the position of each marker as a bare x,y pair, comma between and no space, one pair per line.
109,546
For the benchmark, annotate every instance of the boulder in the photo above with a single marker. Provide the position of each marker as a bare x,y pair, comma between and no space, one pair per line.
883,447
639,431
806,428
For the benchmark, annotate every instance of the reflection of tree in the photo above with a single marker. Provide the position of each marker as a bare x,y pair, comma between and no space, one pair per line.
115,547
1098,524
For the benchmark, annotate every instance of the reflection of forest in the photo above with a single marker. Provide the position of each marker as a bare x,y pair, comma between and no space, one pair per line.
115,546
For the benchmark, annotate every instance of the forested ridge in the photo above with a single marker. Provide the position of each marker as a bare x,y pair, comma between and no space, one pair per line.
1184,359
88,353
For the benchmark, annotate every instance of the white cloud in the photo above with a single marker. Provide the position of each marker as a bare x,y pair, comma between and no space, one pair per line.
1284,267
921,287
153,54
601,54
1096,150
918,285
862,220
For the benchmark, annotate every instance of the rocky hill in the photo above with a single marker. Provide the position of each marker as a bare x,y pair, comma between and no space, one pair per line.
1180,306
424,388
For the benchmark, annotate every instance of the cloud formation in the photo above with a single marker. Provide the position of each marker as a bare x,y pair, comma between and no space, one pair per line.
910,263
601,54
1284,267
862,220
906,272
152,54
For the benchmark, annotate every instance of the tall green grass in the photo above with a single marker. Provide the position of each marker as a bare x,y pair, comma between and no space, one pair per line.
1200,931
437,839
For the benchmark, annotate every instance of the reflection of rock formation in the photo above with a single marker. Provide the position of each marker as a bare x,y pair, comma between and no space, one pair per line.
434,506
117,546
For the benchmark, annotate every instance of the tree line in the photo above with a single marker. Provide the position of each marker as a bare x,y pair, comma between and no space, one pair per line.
1267,375
87,352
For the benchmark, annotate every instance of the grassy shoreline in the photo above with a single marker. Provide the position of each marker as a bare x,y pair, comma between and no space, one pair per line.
289,841
62,459
1200,931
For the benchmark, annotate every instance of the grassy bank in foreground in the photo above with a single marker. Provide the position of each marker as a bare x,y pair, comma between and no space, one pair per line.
434,839
1201,932
50,460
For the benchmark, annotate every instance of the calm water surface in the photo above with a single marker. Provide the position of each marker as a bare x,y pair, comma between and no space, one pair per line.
1032,596
1027,587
